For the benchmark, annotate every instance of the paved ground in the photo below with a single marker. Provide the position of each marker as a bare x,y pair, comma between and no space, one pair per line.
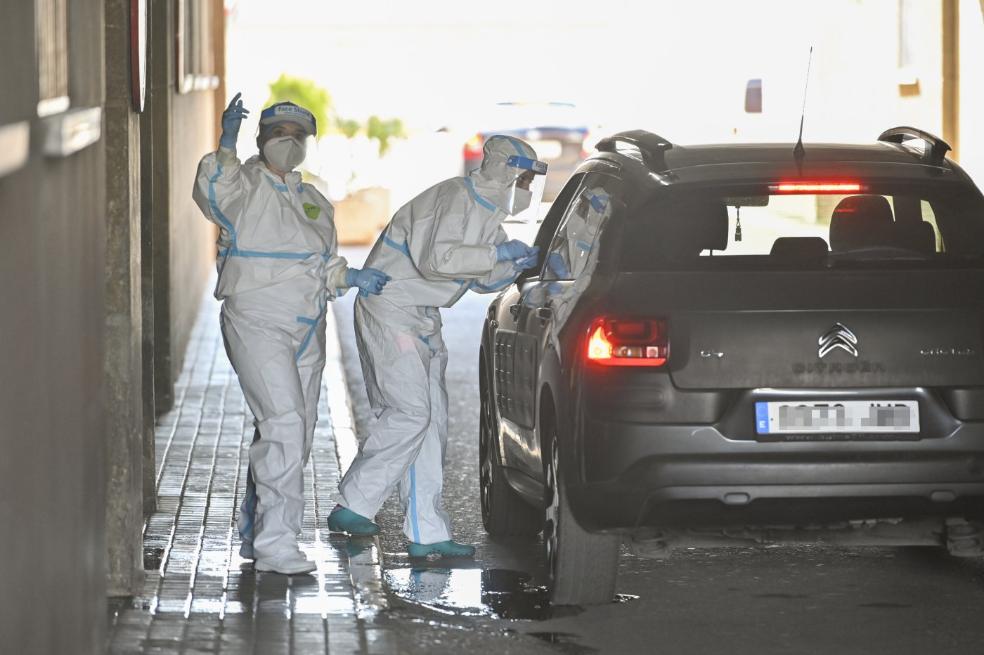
367,597
199,596
759,601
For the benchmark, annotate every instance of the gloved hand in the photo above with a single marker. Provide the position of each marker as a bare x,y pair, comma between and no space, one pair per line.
557,265
529,261
512,250
232,118
369,280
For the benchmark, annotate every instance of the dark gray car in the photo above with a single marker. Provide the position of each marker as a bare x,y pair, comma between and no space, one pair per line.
737,337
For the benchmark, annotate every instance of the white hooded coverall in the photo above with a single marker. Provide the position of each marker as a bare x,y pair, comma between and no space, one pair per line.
278,267
436,247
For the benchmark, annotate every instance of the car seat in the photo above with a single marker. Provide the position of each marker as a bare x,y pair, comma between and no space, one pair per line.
861,222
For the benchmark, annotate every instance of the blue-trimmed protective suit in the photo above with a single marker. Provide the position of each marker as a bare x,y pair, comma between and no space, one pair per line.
278,268
437,247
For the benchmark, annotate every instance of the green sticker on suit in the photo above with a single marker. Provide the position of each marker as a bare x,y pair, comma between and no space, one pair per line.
312,211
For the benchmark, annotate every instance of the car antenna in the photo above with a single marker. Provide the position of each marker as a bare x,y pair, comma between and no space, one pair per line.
799,152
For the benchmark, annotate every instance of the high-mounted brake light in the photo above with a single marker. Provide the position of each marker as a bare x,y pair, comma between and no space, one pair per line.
815,187
635,342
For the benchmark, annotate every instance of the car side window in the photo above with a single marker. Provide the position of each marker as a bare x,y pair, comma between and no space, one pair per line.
573,247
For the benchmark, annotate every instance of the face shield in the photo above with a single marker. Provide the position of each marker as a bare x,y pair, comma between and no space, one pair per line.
525,194
286,136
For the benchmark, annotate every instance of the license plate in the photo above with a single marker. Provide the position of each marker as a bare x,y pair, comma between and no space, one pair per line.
846,416
549,149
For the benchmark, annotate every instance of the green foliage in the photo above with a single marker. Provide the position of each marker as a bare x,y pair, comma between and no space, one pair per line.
317,100
305,93
384,130
347,126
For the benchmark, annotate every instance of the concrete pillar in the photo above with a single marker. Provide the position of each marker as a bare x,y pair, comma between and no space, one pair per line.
951,75
123,355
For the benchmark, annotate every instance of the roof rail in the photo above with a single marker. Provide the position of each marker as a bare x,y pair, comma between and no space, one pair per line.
651,146
937,147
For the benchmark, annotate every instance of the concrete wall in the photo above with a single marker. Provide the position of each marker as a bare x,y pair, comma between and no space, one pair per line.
52,232
192,238
971,68
124,316
184,129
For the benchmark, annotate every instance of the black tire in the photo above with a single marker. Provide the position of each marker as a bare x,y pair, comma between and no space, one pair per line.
504,512
582,566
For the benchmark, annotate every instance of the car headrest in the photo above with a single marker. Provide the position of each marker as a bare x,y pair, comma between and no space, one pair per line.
703,225
799,248
861,222
920,237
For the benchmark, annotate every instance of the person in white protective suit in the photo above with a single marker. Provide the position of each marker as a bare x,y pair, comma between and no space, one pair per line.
278,267
444,242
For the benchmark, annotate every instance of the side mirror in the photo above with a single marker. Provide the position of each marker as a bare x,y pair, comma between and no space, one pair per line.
753,96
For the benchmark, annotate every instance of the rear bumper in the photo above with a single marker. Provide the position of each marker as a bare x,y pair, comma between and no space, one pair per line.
633,475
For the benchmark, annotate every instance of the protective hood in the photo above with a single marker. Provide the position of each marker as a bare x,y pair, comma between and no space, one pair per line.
505,159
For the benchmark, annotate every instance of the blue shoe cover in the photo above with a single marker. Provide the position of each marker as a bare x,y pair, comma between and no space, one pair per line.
441,549
342,519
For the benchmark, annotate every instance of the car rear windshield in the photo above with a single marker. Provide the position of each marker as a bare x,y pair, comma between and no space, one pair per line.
804,226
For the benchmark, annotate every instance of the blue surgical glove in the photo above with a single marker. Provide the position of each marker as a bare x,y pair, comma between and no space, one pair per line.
530,260
232,118
557,265
511,250
369,280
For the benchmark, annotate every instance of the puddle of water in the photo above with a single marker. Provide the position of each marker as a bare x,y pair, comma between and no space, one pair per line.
495,593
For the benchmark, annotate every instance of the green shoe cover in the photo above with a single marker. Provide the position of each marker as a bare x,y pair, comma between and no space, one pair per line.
442,549
342,519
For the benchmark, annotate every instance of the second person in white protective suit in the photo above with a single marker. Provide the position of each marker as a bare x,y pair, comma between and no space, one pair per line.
278,268
446,241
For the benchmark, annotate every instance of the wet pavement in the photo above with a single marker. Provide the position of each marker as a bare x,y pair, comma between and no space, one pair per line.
199,595
736,600
369,597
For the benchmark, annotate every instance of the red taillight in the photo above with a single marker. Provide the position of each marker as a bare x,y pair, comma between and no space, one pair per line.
815,187
632,342
473,147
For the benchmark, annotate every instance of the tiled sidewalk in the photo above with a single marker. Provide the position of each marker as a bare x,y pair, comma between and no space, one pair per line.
199,595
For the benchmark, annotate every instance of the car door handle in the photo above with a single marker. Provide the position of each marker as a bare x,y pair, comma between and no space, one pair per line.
514,309
544,314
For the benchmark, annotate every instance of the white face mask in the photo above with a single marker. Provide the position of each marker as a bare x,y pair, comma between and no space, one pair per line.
520,201
284,153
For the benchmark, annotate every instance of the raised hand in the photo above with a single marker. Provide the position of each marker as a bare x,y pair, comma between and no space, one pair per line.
232,118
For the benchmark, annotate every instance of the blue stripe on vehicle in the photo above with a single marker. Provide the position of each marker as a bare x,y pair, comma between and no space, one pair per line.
402,247
484,202
413,504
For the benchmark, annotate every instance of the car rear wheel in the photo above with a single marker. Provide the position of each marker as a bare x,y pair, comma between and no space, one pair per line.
582,566
504,513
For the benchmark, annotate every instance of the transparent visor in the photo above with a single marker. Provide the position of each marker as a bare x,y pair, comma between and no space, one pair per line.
524,197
